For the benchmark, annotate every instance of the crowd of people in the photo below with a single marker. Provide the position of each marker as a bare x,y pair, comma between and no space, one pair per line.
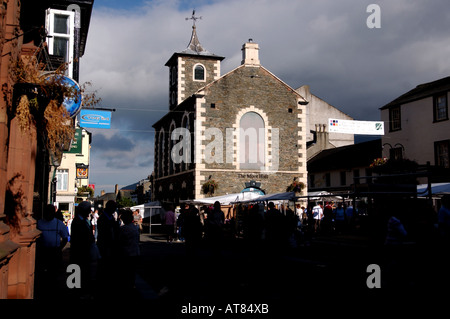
192,226
271,226
286,227
105,246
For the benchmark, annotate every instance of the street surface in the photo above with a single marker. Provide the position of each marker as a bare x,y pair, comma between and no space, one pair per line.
331,270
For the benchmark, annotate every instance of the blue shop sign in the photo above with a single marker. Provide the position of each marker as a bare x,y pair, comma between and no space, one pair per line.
95,119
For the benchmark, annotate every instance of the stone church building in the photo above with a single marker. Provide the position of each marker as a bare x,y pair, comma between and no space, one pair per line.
236,129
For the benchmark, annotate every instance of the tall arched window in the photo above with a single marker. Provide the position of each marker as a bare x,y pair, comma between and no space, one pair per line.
199,72
173,75
184,152
170,162
161,150
252,141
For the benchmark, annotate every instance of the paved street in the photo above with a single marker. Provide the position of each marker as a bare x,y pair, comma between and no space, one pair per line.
333,269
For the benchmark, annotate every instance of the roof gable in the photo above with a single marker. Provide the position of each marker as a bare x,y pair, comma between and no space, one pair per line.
261,68
421,91
346,157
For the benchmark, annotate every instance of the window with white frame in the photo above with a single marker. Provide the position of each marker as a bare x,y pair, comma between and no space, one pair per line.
62,180
442,153
252,141
60,27
199,72
440,107
395,121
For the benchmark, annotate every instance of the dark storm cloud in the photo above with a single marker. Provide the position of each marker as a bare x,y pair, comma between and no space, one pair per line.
325,44
116,142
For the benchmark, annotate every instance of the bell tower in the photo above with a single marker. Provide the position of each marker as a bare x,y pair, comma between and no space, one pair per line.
191,69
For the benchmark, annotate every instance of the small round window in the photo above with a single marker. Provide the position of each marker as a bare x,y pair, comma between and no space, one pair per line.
199,73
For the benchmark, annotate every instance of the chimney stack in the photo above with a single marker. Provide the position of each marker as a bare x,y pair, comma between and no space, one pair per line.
250,54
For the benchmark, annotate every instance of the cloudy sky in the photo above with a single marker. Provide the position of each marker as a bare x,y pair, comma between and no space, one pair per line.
325,44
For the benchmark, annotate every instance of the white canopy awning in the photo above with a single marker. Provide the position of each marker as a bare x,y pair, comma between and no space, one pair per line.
436,189
224,199
290,196
147,209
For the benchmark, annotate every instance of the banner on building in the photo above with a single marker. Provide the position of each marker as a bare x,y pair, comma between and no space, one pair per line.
356,127
95,118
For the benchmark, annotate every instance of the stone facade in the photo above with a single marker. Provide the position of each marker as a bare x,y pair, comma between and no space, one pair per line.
24,160
213,111
18,232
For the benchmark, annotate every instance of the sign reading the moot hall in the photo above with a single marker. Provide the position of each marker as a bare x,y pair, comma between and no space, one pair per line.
95,118
356,127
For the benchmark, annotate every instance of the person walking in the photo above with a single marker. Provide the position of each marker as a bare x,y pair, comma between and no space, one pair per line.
444,220
275,227
317,216
82,243
214,228
191,229
339,217
137,220
169,222
107,241
54,237
129,252
94,219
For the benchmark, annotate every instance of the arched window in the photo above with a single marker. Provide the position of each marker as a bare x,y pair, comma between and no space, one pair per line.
199,72
173,98
173,75
161,150
183,152
171,164
252,141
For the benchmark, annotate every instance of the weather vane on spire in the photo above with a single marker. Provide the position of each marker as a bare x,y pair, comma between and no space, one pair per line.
194,18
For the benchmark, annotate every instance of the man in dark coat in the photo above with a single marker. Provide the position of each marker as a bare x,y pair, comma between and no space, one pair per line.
81,241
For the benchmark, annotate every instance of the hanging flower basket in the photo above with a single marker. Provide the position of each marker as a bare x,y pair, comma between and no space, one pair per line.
378,162
209,187
38,102
295,186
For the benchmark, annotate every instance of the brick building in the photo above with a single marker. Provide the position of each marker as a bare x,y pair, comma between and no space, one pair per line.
25,160
244,126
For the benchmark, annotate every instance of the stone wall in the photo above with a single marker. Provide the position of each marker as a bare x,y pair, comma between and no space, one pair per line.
230,182
220,106
190,85
18,231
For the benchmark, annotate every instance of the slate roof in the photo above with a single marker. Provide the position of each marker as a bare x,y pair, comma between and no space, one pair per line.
195,48
346,157
421,91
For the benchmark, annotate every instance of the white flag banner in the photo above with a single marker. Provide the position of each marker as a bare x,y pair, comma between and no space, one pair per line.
356,127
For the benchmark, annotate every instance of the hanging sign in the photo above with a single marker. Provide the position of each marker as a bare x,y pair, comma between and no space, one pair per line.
75,146
82,171
95,118
356,127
